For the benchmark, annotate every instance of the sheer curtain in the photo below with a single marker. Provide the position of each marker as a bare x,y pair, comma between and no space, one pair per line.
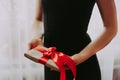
16,19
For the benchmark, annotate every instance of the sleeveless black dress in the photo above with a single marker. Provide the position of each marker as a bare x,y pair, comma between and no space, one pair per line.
65,27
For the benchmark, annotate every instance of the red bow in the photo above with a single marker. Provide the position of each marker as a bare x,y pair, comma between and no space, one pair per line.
59,58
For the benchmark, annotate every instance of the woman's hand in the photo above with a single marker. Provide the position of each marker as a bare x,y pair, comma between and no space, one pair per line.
73,57
35,42
65,66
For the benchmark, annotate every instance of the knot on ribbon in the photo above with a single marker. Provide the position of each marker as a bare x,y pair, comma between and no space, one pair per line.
48,53
59,58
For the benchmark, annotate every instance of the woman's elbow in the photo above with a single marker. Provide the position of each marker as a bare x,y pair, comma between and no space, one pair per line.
115,30
112,30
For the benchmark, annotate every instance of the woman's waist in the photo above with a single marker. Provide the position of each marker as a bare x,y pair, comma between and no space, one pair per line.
69,47
68,43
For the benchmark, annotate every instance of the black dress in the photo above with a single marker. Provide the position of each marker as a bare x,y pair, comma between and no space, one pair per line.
65,27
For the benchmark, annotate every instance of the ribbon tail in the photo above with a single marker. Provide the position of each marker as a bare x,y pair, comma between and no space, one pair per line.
61,68
70,63
62,75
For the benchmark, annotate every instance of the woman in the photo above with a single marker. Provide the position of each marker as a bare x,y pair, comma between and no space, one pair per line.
65,27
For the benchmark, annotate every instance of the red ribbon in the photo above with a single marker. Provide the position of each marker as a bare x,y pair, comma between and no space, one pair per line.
59,58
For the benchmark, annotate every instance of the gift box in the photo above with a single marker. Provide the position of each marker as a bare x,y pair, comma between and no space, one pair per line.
53,59
36,56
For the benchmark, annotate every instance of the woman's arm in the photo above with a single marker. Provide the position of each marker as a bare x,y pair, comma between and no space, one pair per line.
38,20
37,35
108,13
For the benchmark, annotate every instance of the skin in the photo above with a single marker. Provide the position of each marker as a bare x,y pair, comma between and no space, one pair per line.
108,13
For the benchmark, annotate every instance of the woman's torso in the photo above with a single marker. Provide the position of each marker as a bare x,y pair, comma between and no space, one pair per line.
66,23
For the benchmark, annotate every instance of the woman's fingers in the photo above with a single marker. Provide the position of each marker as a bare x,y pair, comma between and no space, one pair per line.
34,43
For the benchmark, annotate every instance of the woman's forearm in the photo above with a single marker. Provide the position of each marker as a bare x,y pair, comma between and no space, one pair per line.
37,28
95,46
